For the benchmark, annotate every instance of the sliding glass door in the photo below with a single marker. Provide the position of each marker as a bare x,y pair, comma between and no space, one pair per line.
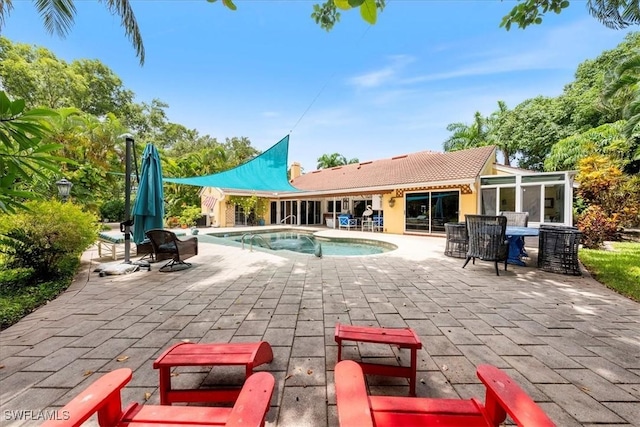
427,212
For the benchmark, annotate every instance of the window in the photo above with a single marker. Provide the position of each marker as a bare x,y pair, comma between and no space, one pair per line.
338,206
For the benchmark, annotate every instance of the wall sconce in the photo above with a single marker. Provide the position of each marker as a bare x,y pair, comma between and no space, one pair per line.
392,202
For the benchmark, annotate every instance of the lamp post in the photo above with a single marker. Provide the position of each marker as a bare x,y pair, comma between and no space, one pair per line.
64,188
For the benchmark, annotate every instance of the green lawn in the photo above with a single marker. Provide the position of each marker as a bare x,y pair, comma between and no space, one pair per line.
618,269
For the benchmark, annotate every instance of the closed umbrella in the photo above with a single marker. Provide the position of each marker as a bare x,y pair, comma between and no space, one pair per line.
148,209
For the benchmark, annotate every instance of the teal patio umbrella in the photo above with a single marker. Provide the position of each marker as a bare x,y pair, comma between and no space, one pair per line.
148,209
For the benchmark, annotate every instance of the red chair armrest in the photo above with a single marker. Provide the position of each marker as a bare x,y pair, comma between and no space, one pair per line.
504,396
253,402
351,395
102,396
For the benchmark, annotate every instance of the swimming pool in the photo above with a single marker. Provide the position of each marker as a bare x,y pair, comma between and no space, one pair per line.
305,242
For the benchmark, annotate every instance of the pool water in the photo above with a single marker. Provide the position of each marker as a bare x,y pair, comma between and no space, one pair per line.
307,243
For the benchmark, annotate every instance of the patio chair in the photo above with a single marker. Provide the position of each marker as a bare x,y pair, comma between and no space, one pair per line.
487,239
346,221
104,398
516,219
378,222
356,408
166,245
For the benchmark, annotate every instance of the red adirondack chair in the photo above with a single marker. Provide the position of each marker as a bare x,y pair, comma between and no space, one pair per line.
357,409
103,397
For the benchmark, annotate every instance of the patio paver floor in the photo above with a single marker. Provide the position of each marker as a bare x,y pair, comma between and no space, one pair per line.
571,343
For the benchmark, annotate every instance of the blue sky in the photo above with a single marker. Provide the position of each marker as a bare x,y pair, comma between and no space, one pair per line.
363,91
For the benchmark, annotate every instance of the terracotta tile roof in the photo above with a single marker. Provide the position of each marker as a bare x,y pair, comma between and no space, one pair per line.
420,167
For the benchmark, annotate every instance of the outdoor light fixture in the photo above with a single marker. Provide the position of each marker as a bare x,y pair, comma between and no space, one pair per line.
64,188
392,202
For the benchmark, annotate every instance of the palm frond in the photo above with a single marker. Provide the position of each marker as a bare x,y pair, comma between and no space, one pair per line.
57,15
6,6
615,14
129,23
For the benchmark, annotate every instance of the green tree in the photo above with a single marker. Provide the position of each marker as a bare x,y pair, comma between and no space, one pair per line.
533,127
24,152
606,140
332,160
36,75
615,14
582,100
623,83
239,150
467,136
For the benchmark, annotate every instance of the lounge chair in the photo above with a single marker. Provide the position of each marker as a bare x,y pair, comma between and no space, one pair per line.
166,245
104,398
487,239
356,408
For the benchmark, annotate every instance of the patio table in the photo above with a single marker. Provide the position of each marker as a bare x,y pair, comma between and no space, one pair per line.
516,236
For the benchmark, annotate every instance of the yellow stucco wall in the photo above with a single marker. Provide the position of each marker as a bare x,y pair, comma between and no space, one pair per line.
393,216
468,205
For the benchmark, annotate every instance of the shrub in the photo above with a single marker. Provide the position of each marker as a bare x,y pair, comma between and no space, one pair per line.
15,278
16,304
49,237
597,227
113,210
190,215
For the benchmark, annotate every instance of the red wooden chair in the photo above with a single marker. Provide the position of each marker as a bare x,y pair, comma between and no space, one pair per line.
103,397
356,408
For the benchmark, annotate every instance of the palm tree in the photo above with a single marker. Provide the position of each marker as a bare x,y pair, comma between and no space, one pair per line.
58,16
467,136
332,160
624,84
504,143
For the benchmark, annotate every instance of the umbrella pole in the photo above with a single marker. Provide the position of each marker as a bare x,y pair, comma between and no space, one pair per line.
127,201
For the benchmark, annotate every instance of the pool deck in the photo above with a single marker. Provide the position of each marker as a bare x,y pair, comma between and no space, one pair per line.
571,343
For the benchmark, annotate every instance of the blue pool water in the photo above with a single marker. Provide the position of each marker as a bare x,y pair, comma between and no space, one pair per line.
305,242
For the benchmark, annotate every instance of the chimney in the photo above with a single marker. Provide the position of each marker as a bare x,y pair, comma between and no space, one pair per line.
296,170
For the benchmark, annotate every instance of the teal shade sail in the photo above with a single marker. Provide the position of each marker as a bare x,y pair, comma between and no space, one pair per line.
148,209
266,172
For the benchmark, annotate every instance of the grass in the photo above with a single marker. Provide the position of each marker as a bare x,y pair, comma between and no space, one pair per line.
618,269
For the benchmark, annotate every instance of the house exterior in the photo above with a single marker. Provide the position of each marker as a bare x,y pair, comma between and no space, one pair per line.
415,193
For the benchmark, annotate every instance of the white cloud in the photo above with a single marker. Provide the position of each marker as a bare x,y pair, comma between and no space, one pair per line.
384,75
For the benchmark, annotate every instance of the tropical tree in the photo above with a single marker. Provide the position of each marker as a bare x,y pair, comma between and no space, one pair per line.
467,136
24,152
533,127
504,143
606,140
624,83
36,75
616,14
332,160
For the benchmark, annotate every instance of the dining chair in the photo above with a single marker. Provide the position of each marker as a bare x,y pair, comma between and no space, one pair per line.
487,239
